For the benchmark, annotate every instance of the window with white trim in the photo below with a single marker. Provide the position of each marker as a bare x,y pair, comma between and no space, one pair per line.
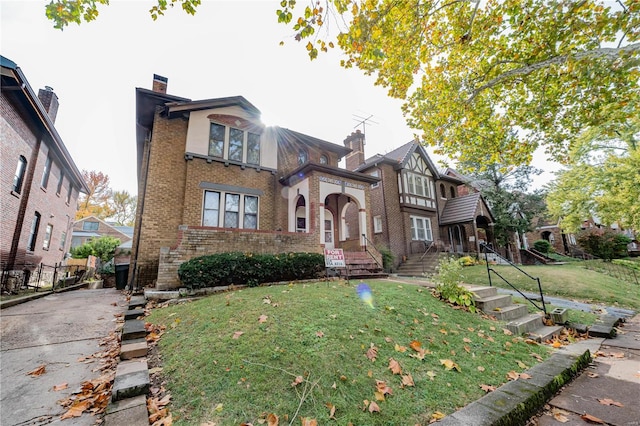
45,173
240,210
375,173
421,229
241,146
47,237
377,224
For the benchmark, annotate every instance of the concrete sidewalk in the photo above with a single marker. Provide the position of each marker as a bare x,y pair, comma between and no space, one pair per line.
57,330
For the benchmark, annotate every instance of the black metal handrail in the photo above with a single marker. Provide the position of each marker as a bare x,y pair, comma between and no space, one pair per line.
426,251
486,249
369,242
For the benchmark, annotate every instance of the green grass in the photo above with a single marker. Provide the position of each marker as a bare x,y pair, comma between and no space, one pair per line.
570,281
322,331
574,315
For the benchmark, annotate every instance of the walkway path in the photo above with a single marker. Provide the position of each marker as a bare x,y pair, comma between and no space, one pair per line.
54,331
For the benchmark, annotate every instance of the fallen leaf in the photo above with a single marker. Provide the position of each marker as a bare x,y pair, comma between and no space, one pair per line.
556,344
607,401
61,386
467,348
76,410
38,371
480,368
266,300
593,375
591,419
399,348
382,387
394,366
407,380
525,376
522,365
507,332
512,375
450,365
374,408
431,375
308,422
443,331
415,345
332,410
319,334
262,319
466,340
272,420
379,396
560,417
487,388
237,334
617,354
437,415
372,352
297,381
492,328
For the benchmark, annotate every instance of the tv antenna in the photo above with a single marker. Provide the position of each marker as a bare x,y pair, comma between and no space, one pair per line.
362,121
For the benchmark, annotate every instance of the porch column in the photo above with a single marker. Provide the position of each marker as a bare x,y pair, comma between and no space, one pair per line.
362,216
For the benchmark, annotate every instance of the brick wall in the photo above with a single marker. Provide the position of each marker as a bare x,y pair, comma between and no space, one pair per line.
194,241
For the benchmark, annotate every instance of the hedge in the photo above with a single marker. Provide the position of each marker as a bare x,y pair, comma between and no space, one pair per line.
247,268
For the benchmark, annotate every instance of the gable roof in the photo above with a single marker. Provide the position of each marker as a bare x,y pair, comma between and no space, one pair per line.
463,209
399,158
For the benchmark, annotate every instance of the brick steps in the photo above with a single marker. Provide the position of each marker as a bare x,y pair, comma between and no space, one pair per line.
360,264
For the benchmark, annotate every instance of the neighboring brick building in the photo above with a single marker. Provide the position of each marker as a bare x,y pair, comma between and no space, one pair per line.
212,178
39,181
414,204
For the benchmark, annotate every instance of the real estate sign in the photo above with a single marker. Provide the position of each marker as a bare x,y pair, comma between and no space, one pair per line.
334,258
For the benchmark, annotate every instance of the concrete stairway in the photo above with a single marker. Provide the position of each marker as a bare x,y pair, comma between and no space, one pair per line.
516,316
415,267
361,264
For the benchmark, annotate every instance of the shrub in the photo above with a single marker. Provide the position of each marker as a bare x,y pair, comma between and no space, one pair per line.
387,258
607,245
448,279
467,261
247,268
103,248
543,246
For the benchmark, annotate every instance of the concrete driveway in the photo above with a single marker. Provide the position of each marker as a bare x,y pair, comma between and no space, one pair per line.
56,331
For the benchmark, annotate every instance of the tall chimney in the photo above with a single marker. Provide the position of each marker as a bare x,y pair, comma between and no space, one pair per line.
49,101
159,83
355,141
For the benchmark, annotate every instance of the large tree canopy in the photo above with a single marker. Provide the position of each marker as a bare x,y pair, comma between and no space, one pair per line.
602,180
473,71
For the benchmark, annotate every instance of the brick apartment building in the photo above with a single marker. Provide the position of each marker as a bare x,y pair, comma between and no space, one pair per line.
212,178
38,178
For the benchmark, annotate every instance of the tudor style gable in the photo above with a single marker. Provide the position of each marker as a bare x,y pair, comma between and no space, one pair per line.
416,181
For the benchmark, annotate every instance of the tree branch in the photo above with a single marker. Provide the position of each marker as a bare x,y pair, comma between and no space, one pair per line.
604,52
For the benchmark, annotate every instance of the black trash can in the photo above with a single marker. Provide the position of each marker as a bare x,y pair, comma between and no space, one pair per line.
122,272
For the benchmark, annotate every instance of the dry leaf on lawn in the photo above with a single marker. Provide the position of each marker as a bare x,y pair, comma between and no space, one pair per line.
237,334
262,319
61,386
487,388
407,380
394,366
374,408
372,353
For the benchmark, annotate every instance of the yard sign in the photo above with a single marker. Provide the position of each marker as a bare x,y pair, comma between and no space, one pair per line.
334,258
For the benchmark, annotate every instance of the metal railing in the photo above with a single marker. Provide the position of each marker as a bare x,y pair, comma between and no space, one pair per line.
374,253
486,250
429,247
28,277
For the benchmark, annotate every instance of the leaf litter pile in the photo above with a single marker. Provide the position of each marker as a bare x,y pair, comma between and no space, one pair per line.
315,354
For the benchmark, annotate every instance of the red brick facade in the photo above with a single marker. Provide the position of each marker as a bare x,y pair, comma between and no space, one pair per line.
29,136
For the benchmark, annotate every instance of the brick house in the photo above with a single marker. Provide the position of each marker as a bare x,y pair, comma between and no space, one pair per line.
415,204
38,178
90,227
212,178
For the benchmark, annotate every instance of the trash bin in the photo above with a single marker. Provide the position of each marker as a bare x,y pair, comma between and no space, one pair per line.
122,272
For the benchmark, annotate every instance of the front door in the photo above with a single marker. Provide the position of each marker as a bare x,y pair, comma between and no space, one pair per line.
328,230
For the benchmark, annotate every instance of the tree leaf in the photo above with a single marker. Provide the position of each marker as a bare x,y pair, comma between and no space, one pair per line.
450,365
394,366
237,334
407,380
415,345
591,419
262,319
437,415
372,352
374,408
512,375
608,401
60,387
319,334
272,420
38,371
297,381
487,388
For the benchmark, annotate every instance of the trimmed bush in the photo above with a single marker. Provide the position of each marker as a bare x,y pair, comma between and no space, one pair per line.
247,268
543,246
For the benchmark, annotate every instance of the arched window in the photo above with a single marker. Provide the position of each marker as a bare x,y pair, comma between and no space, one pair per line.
442,191
324,159
18,178
302,157
453,192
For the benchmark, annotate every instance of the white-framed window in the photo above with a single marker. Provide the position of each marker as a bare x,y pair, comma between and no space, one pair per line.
241,146
90,226
46,173
375,173
419,185
421,229
324,159
47,237
240,210
377,224
18,178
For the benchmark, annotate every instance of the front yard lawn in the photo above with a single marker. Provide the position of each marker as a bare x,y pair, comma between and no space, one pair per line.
317,351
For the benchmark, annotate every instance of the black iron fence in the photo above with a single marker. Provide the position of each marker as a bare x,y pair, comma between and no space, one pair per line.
29,277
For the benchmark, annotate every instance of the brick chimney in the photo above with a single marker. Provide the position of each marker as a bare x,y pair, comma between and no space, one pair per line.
355,141
49,101
159,83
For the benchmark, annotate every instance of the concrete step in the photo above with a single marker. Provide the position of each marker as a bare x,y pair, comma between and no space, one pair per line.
137,302
525,324
545,333
510,313
133,329
133,314
133,349
130,412
132,379
488,304
600,330
482,291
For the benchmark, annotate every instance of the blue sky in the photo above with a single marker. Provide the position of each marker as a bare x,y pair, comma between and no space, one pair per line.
228,48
